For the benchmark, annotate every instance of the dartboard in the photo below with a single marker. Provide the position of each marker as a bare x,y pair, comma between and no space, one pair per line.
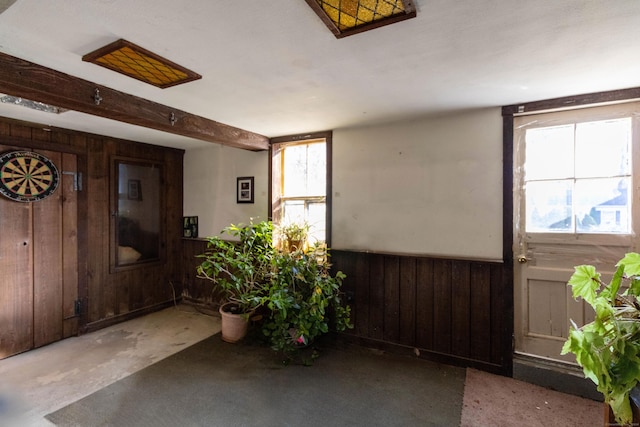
26,176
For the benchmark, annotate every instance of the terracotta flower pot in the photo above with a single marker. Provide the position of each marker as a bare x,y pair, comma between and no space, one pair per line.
234,325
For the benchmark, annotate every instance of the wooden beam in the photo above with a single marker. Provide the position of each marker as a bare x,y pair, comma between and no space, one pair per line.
37,83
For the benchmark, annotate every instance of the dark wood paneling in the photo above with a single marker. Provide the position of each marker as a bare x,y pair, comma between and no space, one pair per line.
391,328
460,309
442,306
407,313
16,275
47,265
376,297
106,297
447,310
424,303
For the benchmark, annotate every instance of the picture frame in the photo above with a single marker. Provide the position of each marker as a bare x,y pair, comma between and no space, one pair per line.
244,189
134,192
190,226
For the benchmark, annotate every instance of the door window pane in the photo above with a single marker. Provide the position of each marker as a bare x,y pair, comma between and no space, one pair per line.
549,153
549,206
577,176
602,205
602,148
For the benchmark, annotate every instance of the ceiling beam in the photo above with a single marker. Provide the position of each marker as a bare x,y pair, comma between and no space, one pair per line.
37,83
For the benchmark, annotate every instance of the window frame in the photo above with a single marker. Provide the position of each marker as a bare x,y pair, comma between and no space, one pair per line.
275,145
114,264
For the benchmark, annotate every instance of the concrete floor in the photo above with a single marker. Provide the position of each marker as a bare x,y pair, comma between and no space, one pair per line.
40,381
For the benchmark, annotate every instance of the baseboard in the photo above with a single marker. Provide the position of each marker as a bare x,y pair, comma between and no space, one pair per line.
559,376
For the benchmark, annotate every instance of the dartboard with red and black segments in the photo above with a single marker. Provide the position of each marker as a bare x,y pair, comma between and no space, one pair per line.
26,176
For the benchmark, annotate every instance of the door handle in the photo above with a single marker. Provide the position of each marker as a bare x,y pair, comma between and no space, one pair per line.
522,259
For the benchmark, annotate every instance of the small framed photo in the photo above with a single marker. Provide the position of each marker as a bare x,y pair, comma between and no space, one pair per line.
244,191
190,226
134,192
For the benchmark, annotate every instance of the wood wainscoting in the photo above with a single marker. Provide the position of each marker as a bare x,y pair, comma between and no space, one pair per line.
452,311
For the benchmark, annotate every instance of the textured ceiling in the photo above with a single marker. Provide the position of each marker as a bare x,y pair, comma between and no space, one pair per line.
273,67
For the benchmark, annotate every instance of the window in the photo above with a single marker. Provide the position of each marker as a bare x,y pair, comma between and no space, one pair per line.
577,177
137,213
300,183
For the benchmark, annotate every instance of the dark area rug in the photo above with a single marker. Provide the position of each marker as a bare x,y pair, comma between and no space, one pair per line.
213,383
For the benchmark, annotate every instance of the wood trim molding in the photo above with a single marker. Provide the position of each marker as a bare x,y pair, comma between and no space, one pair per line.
568,102
28,80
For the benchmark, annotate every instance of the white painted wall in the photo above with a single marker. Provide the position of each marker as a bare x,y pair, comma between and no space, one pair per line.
210,186
431,186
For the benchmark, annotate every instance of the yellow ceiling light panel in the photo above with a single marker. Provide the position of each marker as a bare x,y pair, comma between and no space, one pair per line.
347,17
126,58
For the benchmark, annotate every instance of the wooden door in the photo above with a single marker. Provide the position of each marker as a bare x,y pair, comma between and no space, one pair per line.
39,263
575,192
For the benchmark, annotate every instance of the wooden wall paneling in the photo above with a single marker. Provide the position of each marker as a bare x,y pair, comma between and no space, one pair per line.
47,265
174,184
376,297
69,244
16,278
425,304
391,330
362,294
500,323
195,288
97,186
408,303
461,294
20,131
442,306
481,333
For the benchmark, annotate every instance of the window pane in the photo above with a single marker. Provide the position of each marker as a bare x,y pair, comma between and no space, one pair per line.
549,153
139,207
293,212
603,148
317,170
316,219
549,206
295,171
602,205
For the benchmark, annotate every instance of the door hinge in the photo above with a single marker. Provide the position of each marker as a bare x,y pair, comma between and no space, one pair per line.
77,179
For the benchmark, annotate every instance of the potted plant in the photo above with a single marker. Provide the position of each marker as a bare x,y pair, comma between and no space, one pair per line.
242,269
292,237
608,349
304,300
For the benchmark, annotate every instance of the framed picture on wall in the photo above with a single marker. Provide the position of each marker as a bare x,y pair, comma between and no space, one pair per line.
134,192
244,189
190,226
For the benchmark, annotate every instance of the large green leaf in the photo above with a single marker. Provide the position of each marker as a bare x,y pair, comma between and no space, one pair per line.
584,282
631,262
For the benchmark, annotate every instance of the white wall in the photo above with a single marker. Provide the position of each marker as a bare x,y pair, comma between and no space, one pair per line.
210,186
431,186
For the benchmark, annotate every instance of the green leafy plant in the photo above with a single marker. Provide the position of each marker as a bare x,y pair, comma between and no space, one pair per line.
304,300
301,300
292,236
608,349
241,269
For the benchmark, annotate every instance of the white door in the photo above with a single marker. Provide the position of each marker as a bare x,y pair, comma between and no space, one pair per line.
574,203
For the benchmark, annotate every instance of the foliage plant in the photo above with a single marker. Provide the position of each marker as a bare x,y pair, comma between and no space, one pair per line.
304,300
608,349
292,237
241,269
301,299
